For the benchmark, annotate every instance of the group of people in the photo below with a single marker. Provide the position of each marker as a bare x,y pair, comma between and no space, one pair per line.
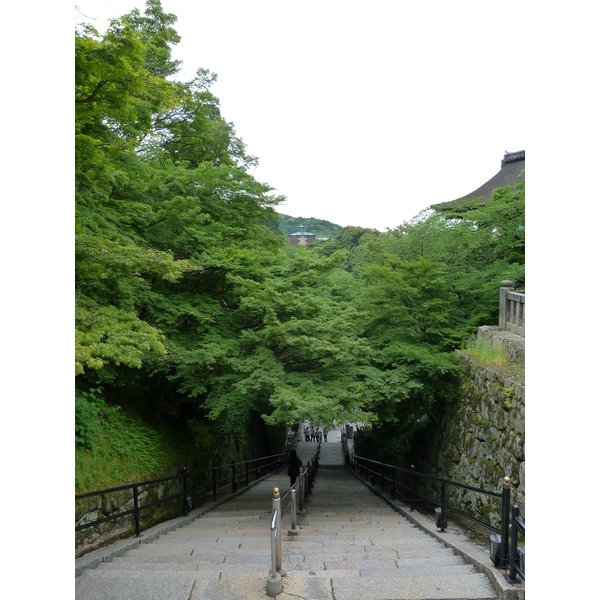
312,434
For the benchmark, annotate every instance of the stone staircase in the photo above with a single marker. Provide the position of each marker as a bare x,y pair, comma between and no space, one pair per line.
351,546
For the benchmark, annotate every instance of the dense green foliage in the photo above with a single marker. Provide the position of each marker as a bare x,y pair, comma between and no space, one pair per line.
320,227
191,307
126,449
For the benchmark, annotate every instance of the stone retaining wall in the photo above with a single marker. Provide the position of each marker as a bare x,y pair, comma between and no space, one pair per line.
480,440
88,510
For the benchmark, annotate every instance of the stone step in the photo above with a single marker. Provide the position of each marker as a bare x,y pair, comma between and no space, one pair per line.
136,585
116,565
351,545
132,557
463,586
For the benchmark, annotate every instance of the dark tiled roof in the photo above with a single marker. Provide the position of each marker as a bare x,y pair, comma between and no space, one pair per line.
511,167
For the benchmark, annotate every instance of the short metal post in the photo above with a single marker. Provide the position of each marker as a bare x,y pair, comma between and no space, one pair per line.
136,512
214,475
381,478
294,529
503,553
394,484
247,474
277,503
233,481
274,585
514,540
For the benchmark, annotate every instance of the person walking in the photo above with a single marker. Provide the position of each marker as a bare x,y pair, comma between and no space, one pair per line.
325,432
294,464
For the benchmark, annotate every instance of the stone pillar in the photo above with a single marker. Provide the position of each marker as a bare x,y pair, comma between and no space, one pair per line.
505,287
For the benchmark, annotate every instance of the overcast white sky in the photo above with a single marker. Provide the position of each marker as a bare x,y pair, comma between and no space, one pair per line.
361,113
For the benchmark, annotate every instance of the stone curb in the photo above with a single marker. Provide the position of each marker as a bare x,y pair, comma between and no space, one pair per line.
470,553
118,548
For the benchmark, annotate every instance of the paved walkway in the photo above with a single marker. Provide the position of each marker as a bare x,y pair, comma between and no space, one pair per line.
352,546
332,453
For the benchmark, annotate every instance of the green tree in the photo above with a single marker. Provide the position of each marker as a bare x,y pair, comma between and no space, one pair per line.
191,306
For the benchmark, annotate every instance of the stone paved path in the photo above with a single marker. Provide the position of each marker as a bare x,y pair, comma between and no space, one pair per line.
351,546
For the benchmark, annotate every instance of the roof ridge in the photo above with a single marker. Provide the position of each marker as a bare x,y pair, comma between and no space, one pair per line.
512,157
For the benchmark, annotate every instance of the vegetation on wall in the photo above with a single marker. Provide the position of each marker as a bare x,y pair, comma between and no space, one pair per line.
191,308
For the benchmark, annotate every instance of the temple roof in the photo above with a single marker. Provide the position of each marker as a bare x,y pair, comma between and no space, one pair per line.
301,231
511,167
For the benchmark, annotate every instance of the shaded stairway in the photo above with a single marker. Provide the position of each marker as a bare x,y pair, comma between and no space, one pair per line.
351,546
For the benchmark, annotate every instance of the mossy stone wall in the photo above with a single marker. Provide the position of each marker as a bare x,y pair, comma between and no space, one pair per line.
480,440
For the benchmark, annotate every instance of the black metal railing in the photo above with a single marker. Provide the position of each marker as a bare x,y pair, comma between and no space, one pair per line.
398,478
194,487
517,554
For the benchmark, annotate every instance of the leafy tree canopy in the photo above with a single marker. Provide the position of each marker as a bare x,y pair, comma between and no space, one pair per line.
191,305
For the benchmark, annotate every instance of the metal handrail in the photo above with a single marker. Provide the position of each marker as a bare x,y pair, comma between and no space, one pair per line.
302,484
274,536
210,477
502,557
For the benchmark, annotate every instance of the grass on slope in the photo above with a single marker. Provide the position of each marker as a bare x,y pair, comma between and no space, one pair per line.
126,450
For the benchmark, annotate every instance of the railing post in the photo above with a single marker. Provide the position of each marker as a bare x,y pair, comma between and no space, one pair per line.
185,491
274,584
503,554
136,512
381,478
307,480
277,503
247,474
233,481
294,529
412,488
214,476
301,493
394,484
442,524
505,287
514,540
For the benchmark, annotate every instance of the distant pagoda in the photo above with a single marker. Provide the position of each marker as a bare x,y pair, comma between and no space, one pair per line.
301,237
511,172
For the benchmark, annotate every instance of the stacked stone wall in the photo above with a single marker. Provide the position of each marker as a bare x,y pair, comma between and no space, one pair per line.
480,440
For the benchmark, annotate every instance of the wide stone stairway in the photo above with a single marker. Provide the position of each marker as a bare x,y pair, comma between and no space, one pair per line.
351,546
